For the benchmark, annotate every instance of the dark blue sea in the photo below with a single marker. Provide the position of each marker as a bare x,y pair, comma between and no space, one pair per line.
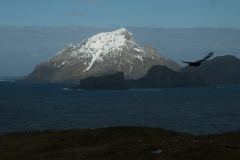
51,106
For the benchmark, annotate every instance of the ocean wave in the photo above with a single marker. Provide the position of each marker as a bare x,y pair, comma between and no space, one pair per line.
146,89
69,89
7,80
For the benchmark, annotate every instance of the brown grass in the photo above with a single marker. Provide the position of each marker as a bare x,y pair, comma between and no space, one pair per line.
118,143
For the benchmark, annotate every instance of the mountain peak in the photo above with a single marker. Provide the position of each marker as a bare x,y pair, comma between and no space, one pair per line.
109,40
123,32
108,43
102,54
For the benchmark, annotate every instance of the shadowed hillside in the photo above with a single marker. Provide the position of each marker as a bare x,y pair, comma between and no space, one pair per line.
220,70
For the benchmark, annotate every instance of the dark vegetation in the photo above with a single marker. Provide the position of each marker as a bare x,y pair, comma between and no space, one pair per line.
118,143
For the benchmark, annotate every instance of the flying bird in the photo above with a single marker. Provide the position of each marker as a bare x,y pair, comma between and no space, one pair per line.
198,63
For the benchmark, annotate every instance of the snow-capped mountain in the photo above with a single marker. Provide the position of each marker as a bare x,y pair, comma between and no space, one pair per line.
102,54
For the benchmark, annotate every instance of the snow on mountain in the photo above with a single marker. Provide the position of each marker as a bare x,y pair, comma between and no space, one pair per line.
101,54
103,44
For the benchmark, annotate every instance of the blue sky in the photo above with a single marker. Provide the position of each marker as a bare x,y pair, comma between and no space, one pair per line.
109,13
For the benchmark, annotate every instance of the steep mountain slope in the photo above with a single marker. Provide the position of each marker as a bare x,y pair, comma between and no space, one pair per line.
220,70
102,54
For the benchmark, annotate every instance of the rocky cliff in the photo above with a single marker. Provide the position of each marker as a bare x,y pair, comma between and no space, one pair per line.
157,77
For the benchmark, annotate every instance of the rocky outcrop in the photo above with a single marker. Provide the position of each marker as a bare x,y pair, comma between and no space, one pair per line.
114,81
162,77
157,77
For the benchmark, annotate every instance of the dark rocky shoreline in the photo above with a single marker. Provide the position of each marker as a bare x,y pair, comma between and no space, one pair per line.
119,143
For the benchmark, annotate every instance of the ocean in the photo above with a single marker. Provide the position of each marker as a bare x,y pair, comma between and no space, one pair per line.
32,106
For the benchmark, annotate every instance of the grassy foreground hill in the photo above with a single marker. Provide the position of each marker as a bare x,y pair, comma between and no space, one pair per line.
118,143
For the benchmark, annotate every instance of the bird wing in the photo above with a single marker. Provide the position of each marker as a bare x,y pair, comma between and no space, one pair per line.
199,61
185,61
208,56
